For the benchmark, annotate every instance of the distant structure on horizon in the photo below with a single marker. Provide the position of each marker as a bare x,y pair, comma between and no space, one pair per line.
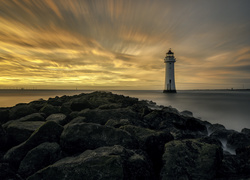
169,73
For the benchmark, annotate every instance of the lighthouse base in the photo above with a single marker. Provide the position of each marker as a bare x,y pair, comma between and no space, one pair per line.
169,91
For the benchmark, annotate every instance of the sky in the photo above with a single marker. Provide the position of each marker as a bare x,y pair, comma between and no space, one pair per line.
121,44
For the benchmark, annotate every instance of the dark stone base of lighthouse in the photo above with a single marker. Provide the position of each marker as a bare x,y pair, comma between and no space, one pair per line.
169,91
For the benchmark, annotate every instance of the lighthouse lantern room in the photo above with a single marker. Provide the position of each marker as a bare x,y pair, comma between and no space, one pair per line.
169,73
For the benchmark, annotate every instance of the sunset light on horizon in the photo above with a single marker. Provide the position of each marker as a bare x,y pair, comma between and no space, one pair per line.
121,44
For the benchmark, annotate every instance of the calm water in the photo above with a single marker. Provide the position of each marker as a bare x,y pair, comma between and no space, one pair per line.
230,108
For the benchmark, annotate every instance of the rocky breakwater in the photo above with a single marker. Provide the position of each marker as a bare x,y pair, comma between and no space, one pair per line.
106,136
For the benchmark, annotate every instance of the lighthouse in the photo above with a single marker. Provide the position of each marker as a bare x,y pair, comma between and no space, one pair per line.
169,73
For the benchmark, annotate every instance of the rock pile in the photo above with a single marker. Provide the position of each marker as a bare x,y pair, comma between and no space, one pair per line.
107,136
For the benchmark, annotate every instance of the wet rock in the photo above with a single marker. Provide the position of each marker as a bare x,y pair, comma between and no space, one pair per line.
58,118
77,138
38,158
48,132
190,159
113,162
48,109
21,110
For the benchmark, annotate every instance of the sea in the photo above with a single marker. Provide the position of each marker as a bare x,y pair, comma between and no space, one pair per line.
228,107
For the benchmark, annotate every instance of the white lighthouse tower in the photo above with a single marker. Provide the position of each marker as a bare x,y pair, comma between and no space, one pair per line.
169,73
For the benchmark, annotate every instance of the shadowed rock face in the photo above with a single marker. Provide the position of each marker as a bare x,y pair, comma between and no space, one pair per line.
79,137
106,136
113,162
38,158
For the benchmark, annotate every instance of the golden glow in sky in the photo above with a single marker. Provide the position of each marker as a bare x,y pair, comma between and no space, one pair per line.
118,44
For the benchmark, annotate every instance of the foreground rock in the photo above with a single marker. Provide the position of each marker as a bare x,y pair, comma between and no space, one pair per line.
79,137
49,132
113,162
38,158
106,136
190,159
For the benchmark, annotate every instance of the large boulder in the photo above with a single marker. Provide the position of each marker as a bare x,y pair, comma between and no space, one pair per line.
48,109
246,131
58,118
238,140
215,127
21,110
113,162
37,104
236,166
20,131
190,159
80,104
77,138
33,117
48,132
150,141
231,140
38,158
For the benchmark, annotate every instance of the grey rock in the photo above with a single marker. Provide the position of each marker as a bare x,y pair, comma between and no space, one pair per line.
150,141
246,131
20,131
190,159
238,140
77,138
21,110
187,113
117,123
101,116
48,109
58,118
38,158
48,132
111,163
78,119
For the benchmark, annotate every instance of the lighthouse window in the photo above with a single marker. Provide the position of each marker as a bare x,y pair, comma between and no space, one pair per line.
169,63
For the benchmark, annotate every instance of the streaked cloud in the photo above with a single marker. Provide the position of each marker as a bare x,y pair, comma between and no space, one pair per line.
121,44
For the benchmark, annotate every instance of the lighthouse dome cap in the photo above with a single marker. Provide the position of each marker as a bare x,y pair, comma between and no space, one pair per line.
170,52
